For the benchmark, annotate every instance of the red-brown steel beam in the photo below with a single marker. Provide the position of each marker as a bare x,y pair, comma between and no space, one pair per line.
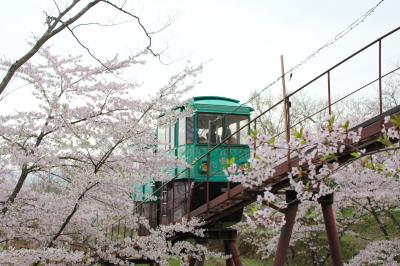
286,231
330,226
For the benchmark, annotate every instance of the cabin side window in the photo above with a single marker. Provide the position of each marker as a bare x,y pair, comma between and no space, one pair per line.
185,131
232,124
203,127
161,138
182,131
189,130
172,137
167,139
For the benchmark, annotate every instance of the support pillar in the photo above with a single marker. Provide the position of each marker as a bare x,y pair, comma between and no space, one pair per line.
235,253
229,261
330,226
286,231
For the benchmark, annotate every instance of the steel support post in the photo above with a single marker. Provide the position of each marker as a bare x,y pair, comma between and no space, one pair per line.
330,226
235,253
189,197
286,231
229,261
380,76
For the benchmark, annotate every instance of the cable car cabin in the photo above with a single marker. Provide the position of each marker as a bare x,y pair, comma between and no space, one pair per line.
214,119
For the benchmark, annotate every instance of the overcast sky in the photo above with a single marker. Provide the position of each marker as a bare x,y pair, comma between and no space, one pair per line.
241,40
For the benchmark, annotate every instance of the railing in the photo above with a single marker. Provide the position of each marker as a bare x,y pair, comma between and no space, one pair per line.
326,109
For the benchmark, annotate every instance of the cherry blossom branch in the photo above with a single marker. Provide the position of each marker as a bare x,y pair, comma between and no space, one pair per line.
24,174
101,24
69,217
51,31
89,52
140,24
364,155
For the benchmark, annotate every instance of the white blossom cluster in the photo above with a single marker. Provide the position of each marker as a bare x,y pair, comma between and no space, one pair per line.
51,256
386,252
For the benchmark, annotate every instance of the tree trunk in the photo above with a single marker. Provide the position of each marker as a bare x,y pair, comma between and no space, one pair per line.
17,189
379,222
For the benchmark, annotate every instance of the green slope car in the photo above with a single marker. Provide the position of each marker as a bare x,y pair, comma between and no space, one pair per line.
211,127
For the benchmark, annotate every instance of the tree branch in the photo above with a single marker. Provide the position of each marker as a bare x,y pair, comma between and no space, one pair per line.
48,34
140,24
69,217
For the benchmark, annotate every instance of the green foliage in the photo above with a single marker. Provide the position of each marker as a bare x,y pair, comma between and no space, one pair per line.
328,157
312,213
356,154
300,136
229,162
253,133
395,120
251,210
385,140
346,126
331,122
271,141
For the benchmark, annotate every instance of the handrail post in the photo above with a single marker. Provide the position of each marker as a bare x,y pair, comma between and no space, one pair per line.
229,158
189,196
380,76
173,202
287,120
208,166
329,93
255,139
286,106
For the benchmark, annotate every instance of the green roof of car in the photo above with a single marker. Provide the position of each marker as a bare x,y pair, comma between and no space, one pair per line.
218,104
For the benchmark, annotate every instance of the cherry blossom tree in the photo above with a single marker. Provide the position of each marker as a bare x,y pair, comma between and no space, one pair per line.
68,168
